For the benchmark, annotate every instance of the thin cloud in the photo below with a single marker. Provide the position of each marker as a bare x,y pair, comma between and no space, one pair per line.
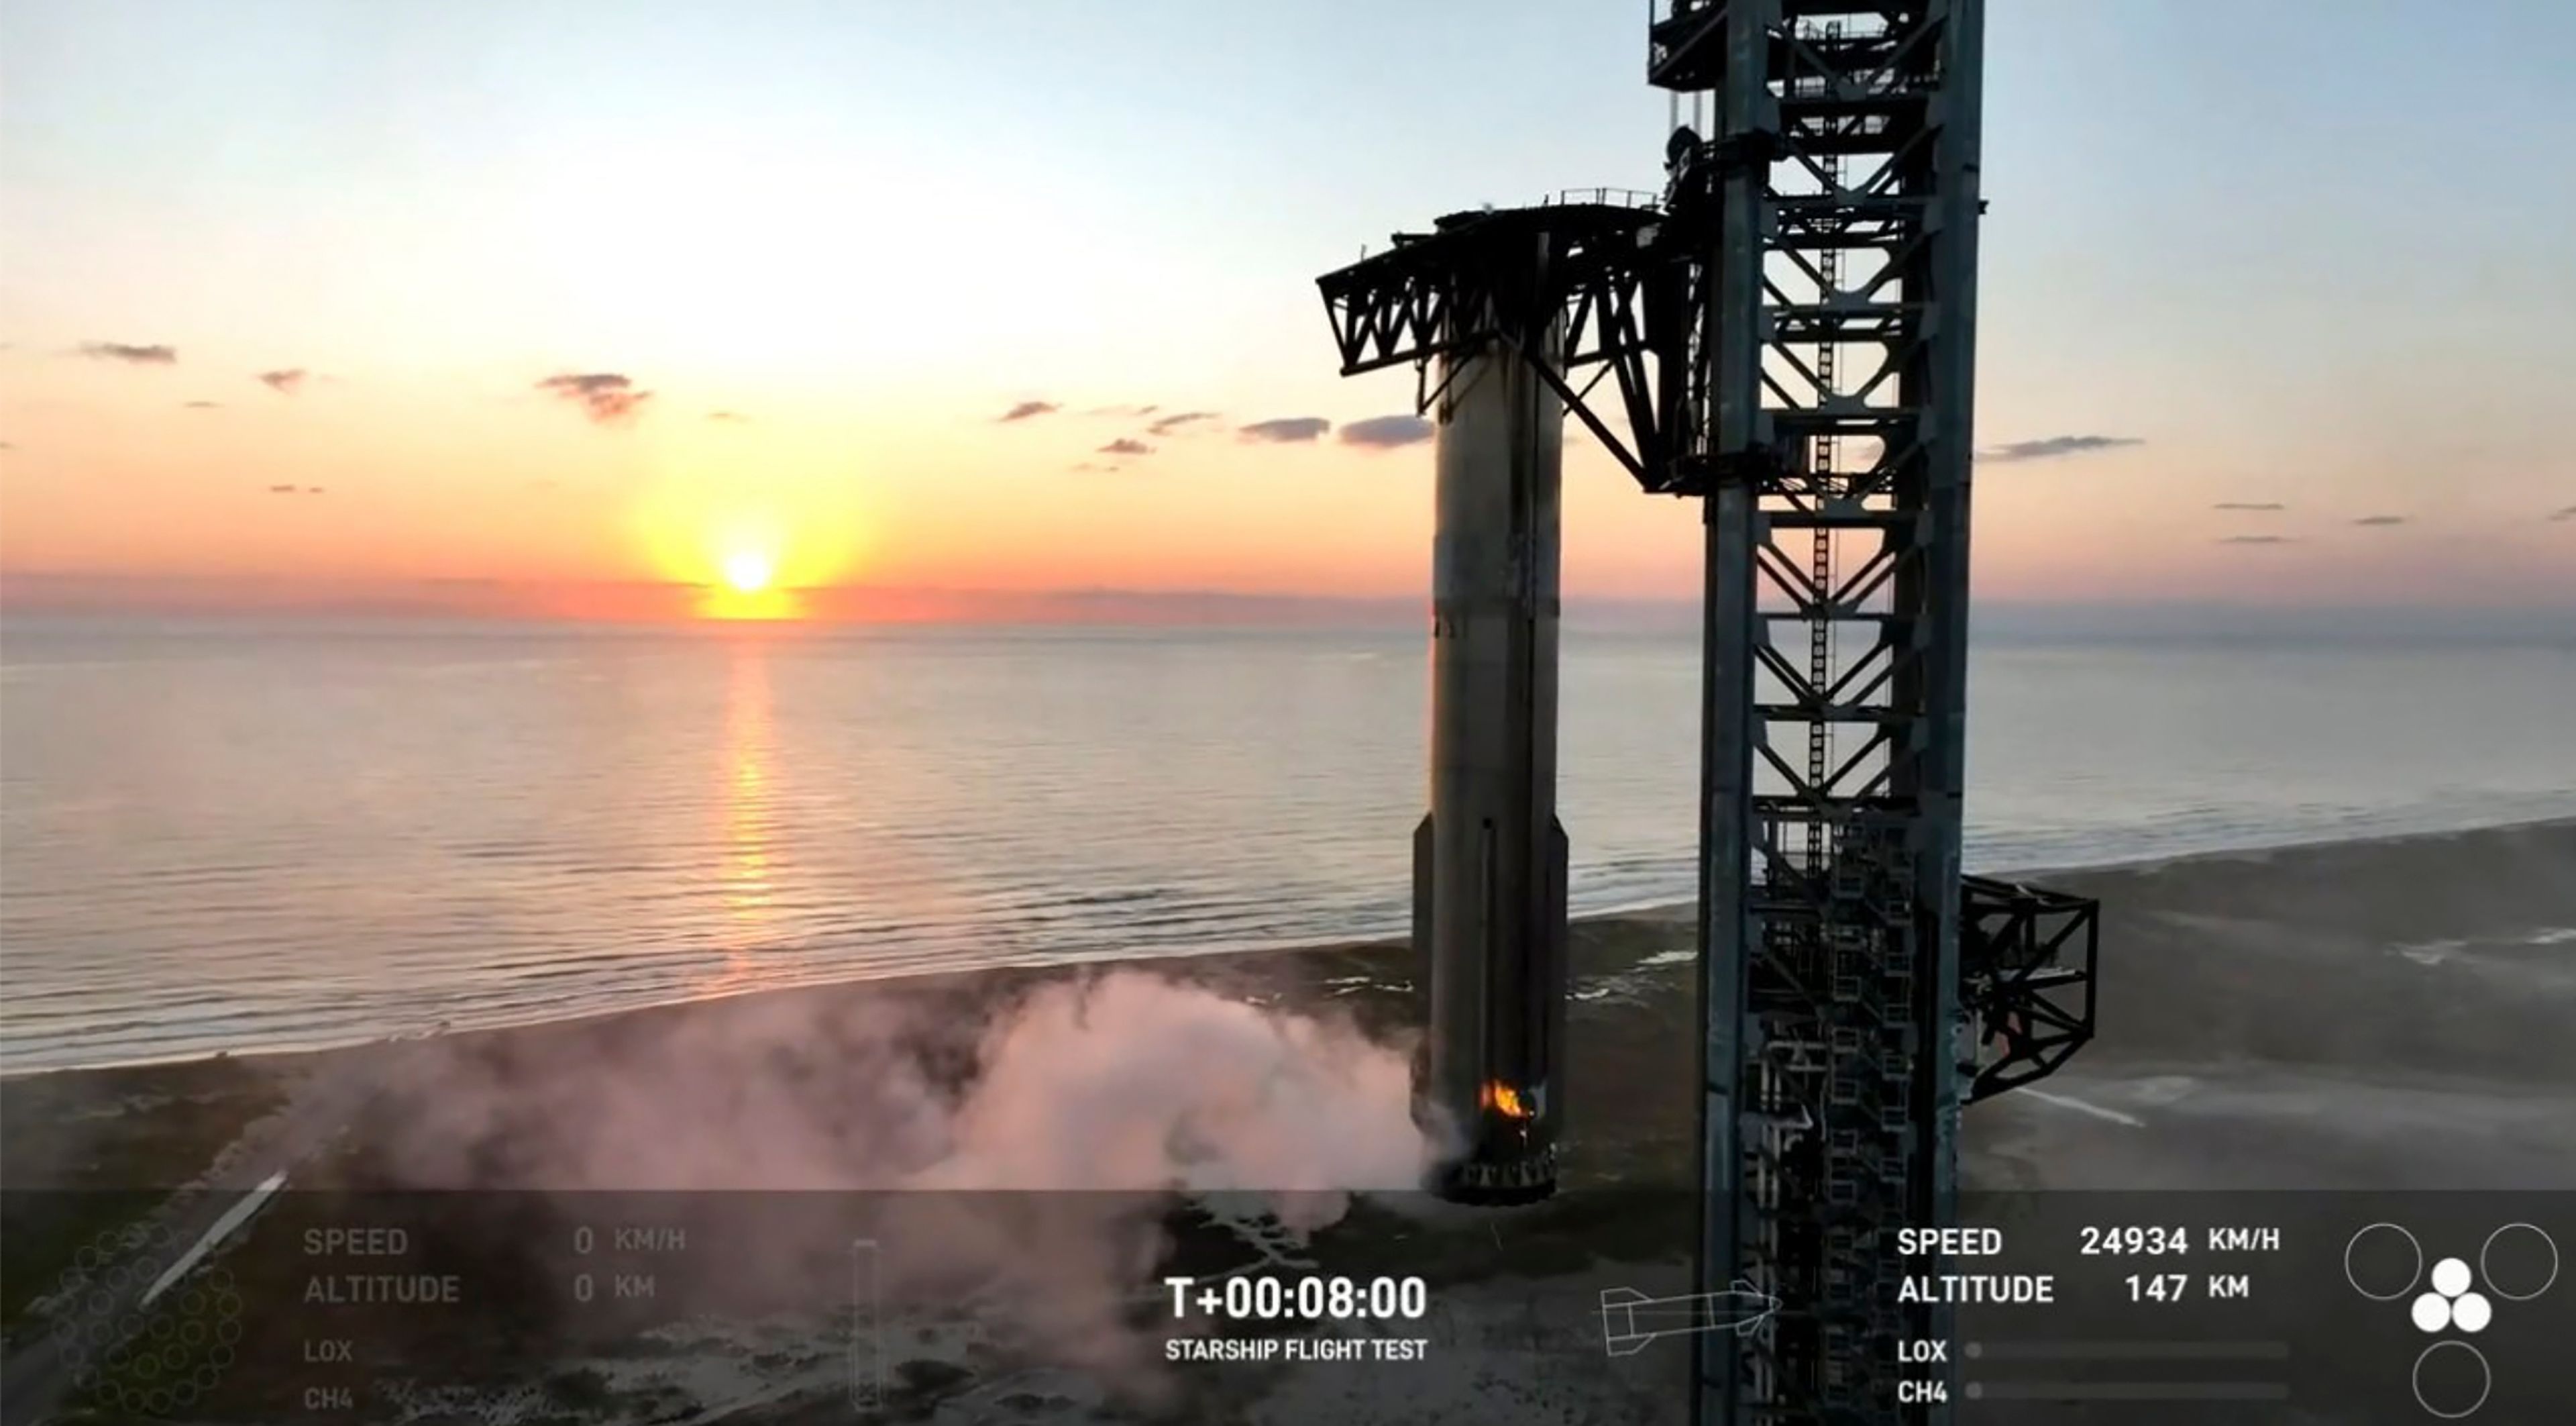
313,490
1285,430
284,381
607,396
1027,409
8,446
1148,409
1126,446
1387,432
2249,505
131,354
730,418
2051,447
2256,540
1093,467
284,489
2568,513
204,405
2381,520
1169,424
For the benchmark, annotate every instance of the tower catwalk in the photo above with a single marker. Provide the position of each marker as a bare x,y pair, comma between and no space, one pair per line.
1842,176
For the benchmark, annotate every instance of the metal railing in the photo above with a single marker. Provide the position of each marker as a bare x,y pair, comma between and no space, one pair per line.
1611,197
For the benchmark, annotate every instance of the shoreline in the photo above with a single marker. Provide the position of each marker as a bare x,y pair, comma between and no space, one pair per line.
1652,911
2375,1014
2373,960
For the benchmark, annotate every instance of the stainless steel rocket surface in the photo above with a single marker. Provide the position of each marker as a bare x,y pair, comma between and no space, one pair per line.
1489,862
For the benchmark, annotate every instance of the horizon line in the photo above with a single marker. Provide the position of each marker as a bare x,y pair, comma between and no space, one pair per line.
661,603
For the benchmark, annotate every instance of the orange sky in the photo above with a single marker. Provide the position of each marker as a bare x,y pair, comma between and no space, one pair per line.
110,471
866,240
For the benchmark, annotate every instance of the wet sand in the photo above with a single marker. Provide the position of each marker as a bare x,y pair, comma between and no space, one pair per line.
2378,1014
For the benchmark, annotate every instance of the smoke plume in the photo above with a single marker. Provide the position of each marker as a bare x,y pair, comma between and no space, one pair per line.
1029,1167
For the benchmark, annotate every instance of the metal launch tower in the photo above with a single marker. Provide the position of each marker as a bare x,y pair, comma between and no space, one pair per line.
1792,329
1845,154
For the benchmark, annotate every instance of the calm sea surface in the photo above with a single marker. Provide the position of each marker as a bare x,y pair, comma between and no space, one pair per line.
243,835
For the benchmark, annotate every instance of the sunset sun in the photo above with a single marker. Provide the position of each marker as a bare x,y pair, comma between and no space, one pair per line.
748,571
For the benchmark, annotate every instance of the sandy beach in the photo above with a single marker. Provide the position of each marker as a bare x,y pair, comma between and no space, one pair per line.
2386,1014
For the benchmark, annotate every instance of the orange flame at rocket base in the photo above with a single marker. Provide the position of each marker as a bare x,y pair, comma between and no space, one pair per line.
1503,1099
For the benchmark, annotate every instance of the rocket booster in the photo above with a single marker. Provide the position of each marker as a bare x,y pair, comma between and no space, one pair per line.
1489,861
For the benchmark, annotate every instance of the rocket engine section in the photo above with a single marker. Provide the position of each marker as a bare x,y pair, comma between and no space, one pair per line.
1489,861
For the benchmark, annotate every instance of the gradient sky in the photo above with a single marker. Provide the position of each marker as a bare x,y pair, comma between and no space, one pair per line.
2294,253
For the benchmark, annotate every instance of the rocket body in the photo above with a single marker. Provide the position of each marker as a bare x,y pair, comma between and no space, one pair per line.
1489,878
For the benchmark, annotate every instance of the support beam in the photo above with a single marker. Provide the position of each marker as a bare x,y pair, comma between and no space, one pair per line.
1741,1127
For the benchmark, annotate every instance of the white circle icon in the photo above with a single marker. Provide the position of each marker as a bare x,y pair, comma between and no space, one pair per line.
2452,1380
2450,1303
2382,1262
2518,1261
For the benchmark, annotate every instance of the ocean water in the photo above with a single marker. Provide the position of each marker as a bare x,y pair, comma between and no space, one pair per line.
242,835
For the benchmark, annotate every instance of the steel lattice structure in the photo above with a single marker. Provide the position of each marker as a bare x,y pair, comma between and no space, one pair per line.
1792,333
1845,167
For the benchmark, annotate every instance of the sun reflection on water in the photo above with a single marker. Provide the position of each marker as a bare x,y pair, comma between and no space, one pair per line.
747,870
